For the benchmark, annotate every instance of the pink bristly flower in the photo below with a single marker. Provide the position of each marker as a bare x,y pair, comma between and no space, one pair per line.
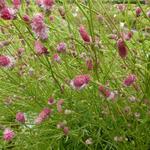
6,61
107,93
39,27
80,81
122,48
85,36
8,134
7,13
26,18
47,4
59,105
20,117
138,11
39,48
89,64
128,36
51,101
121,7
16,3
129,80
61,47
57,58
44,114
2,4
66,130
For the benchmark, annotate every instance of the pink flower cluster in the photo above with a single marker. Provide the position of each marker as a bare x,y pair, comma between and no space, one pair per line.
6,61
129,80
20,117
44,114
80,81
46,4
122,48
8,134
39,27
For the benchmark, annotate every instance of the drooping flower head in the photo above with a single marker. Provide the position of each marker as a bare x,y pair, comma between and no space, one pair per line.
6,61
57,58
20,117
85,36
39,27
129,80
44,114
39,48
26,18
8,134
7,13
121,7
122,48
80,81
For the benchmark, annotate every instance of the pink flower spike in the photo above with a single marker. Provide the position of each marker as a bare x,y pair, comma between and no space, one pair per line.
8,134
51,101
44,114
47,4
84,34
138,11
2,4
20,117
61,47
129,80
6,61
57,58
80,81
66,130
39,27
16,3
39,48
7,13
122,48
26,18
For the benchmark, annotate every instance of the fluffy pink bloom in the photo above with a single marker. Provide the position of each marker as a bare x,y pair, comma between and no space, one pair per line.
107,93
138,11
7,13
80,81
56,58
6,61
16,3
129,80
122,48
2,4
26,18
121,7
39,48
85,36
128,36
59,105
8,134
20,117
51,101
89,64
39,27
61,47
44,114
47,4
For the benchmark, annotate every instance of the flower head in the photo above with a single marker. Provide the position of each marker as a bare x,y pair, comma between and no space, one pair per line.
80,81
85,36
61,47
39,48
122,48
6,61
8,134
129,80
56,58
44,114
16,3
138,11
7,13
20,117
39,27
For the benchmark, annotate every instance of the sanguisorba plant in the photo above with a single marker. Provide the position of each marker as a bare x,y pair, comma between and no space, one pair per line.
74,75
